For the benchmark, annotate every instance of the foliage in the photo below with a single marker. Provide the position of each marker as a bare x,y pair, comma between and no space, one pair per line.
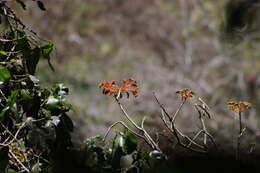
34,124
121,154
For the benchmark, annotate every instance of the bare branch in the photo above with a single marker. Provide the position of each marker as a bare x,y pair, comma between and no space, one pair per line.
20,163
122,123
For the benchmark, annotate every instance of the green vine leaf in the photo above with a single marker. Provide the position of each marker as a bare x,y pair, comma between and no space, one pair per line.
4,74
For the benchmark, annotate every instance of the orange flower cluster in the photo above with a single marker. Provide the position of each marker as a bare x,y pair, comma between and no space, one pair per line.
238,106
185,93
114,89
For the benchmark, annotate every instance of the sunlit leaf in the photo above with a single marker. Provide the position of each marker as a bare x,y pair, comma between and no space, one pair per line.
46,51
4,74
3,53
155,154
25,95
12,99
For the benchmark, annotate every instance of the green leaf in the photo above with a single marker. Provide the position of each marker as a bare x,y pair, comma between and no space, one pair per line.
52,103
130,142
9,170
3,53
46,113
12,99
46,51
47,48
4,74
25,95
2,114
91,141
68,105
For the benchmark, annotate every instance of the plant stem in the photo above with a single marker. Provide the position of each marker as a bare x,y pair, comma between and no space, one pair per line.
238,137
126,115
146,135
178,110
240,123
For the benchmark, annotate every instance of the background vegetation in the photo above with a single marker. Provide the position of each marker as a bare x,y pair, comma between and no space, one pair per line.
165,45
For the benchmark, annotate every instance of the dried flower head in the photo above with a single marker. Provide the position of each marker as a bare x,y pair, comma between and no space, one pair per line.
185,93
238,106
115,89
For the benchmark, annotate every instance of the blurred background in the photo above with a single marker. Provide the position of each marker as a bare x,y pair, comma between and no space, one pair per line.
165,45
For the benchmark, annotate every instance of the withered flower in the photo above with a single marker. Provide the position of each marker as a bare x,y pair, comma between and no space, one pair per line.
115,89
185,93
238,106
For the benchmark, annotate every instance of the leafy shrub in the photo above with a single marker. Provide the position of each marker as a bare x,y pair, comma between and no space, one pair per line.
34,125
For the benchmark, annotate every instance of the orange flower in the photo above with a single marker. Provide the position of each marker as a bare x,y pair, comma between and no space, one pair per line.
185,93
238,106
112,88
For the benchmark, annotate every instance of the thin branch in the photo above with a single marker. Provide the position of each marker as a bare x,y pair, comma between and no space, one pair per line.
212,139
1,92
13,155
149,137
126,115
122,123
174,131
162,107
189,139
146,135
239,136
142,124
195,137
177,112
16,134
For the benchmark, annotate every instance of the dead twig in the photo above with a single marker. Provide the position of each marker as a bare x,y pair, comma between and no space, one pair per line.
170,125
141,128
